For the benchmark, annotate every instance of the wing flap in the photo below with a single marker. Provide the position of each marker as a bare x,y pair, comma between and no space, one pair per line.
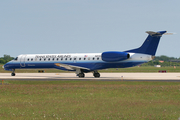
70,67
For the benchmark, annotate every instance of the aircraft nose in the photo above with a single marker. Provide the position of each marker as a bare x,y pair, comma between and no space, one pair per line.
6,67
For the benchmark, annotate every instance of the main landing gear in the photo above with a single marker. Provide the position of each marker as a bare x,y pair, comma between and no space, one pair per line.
81,74
13,72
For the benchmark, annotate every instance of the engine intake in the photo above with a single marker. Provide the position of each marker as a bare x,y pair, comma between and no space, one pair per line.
114,56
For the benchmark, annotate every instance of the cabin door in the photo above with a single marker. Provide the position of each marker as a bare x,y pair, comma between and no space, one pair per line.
22,60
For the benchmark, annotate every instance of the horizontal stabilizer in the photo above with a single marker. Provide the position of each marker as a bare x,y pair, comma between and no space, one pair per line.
169,33
156,33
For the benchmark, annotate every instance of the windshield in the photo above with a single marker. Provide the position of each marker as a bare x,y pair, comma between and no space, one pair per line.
16,58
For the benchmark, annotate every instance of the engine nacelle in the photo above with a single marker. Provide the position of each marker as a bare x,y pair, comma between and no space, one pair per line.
114,56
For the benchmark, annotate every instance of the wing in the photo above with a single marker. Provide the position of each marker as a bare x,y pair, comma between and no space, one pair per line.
70,67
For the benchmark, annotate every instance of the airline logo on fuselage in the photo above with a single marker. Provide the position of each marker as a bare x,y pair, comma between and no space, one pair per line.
52,56
60,56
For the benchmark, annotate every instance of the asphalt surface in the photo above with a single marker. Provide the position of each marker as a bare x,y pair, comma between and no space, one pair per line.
89,76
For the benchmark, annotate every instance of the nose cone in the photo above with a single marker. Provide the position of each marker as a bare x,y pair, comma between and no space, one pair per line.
6,67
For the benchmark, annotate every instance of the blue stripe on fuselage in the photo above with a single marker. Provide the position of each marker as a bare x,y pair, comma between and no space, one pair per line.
92,65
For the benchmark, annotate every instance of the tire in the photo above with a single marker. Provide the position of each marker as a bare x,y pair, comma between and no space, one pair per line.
13,74
96,75
81,75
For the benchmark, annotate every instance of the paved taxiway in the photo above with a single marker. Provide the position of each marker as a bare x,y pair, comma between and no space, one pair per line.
89,76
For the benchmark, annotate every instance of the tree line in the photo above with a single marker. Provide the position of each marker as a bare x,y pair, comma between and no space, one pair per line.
163,61
5,59
167,61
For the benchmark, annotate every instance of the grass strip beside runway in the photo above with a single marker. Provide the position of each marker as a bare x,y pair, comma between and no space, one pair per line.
89,100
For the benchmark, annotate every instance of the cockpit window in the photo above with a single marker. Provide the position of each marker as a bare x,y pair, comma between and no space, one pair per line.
16,58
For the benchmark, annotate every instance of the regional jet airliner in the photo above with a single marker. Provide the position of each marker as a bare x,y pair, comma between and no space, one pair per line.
89,62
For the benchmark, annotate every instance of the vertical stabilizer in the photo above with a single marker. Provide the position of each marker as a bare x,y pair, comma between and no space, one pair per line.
150,44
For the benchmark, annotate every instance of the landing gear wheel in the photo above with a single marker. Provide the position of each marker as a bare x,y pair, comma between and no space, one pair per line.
13,74
96,75
81,75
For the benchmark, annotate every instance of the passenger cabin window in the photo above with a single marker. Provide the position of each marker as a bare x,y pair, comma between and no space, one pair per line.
79,58
49,59
74,58
28,59
40,59
44,59
84,58
32,59
57,58
70,59
53,59
97,58
88,58
66,59
61,58
93,58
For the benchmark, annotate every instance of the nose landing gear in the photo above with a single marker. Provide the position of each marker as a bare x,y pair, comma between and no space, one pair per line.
13,72
96,74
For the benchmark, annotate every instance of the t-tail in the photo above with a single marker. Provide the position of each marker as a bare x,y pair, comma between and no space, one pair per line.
150,44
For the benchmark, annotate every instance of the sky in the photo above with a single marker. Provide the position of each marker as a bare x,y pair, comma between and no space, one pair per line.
86,26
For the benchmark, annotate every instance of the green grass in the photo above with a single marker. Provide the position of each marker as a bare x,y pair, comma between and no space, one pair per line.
89,100
132,69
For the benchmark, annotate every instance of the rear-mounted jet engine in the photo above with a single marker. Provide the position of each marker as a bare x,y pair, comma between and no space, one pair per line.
114,56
